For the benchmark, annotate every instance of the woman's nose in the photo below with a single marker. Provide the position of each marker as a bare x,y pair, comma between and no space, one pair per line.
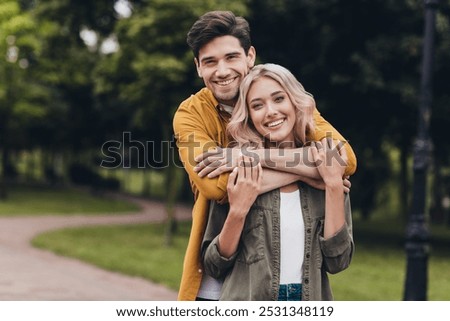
271,109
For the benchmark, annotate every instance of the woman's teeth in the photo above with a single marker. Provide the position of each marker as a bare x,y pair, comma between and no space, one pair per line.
275,123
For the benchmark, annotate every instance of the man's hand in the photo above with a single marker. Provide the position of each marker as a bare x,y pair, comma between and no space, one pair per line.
319,183
347,184
216,162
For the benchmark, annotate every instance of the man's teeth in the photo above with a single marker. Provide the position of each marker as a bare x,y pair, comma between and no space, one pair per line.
226,82
275,123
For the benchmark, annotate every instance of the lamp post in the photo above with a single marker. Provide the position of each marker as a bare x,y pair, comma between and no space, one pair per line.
417,234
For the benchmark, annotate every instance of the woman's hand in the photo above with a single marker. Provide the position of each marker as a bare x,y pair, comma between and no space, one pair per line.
244,185
331,161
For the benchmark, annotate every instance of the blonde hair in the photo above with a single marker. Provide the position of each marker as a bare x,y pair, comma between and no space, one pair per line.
241,127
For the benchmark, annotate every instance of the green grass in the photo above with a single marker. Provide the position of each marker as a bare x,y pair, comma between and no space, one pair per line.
44,200
378,268
377,272
136,250
374,274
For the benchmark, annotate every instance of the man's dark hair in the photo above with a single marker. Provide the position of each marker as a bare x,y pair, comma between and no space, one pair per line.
215,24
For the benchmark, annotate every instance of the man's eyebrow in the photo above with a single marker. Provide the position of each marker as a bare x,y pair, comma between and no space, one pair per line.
206,58
233,53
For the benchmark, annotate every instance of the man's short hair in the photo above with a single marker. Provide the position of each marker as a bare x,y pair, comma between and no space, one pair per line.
215,24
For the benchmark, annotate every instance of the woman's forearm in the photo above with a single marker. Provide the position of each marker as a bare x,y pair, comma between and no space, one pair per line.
231,233
334,209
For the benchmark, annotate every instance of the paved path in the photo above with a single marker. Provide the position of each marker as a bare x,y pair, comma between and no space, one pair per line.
27,273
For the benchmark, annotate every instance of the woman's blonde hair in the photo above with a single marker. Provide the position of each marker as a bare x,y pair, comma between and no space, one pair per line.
241,127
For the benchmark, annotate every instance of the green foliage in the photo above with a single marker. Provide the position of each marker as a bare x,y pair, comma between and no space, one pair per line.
360,59
21,95
152,71
52,201
362,62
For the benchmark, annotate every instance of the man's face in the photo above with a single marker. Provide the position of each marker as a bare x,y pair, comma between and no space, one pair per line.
223,64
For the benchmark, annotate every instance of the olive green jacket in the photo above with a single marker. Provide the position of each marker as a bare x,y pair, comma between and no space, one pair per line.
253,272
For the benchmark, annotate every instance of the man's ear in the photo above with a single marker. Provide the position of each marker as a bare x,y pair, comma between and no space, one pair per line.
197,65
251,57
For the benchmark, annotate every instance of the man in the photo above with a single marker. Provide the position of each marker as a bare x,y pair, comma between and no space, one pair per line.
223,55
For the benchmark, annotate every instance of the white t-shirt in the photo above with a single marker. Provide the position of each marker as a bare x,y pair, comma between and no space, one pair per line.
227,108
210,288
292,238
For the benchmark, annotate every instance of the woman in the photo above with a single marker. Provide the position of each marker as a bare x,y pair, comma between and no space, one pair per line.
279,245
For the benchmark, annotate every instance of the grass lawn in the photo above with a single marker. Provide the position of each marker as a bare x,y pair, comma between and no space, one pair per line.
377,271
44,200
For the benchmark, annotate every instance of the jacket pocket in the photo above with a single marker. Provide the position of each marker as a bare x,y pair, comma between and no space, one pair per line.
252,239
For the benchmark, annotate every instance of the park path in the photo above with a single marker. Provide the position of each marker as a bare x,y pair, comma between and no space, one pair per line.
28,273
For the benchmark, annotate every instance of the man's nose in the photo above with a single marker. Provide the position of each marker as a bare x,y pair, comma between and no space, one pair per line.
222,69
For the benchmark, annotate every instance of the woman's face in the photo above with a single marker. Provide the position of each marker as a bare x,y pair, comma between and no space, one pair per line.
271,111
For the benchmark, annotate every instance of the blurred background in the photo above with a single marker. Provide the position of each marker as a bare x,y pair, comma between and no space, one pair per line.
88,90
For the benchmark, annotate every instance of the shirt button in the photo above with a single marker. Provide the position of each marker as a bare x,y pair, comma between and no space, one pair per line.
200,271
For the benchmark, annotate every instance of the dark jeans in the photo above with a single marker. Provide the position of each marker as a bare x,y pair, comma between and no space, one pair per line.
290,292
287,292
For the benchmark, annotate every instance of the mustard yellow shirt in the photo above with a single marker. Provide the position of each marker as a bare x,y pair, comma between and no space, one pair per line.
200,125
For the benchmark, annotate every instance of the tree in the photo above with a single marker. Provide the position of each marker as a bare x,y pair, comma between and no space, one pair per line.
153,71
22,102
361,60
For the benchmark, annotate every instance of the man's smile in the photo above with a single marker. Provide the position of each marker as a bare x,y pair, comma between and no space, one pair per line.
224,83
